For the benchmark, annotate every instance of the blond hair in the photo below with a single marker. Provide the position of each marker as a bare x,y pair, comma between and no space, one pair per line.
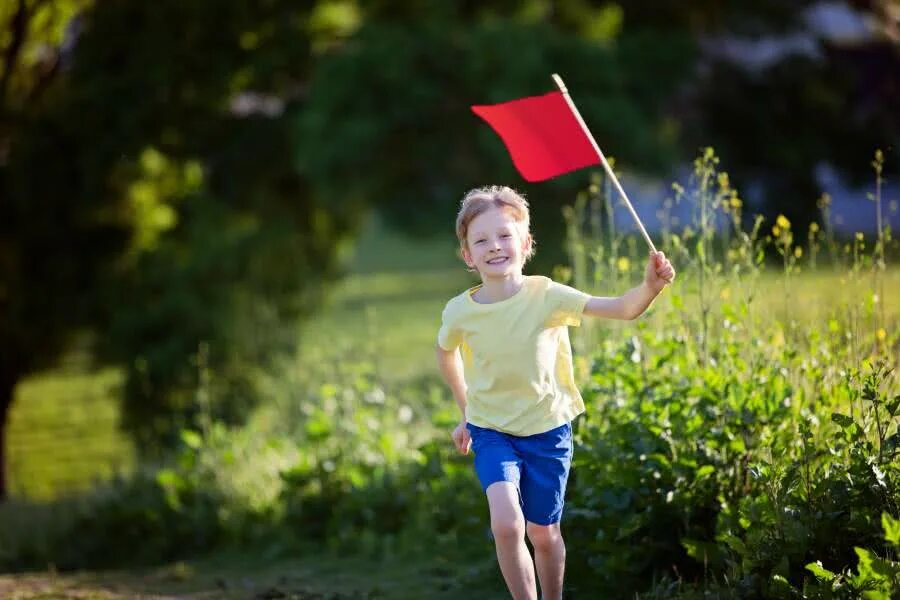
482,199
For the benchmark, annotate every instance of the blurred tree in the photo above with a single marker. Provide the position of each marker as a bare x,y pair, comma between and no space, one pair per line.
232,246
149,194
783,88
388,116
53,243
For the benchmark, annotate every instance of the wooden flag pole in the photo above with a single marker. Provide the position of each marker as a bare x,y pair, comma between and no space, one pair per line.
587,132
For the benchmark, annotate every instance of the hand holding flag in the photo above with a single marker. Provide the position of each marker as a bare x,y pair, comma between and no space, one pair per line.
659,272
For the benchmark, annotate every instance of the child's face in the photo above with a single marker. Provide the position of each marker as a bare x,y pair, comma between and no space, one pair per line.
495,245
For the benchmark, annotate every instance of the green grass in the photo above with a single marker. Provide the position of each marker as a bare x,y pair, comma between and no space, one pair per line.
392,317
63,427
63,433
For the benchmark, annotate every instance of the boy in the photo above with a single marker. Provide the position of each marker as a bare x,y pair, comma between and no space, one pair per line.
519,396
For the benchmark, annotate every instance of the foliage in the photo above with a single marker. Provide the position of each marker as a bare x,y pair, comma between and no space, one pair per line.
730,449
151,207
345,463
394,90
729,445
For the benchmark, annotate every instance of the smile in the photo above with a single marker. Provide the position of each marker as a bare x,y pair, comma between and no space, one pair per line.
497,261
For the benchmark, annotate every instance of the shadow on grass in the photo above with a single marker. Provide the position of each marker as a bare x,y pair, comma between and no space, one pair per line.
233,576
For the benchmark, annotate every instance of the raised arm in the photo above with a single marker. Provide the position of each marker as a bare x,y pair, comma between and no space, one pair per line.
626,307
634,302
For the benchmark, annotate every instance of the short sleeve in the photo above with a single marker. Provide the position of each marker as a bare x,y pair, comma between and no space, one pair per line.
566,305
449,335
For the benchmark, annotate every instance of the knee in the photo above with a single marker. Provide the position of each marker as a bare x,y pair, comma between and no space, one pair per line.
509,528
545,537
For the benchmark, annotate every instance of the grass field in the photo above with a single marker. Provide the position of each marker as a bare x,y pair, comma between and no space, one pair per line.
63,431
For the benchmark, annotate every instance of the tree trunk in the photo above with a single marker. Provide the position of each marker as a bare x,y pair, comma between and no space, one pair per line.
6,398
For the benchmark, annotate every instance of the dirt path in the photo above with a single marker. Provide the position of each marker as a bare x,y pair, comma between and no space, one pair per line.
243,577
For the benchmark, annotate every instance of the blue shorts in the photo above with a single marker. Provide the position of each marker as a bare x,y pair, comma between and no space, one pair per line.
538,465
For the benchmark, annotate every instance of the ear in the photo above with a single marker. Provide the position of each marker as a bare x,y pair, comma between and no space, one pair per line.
467,258
526,244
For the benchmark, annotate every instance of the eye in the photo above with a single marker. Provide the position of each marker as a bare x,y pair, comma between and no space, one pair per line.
479,241
506,235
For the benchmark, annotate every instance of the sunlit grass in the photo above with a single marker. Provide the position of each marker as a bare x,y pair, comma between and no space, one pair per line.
63,433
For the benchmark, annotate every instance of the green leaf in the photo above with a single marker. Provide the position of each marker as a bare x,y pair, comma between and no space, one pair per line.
821,573
733,542
168,478
705,471
780,587
893,442
891,529
701,551
693,547
872,568
843,420
893,406
318,428
191,438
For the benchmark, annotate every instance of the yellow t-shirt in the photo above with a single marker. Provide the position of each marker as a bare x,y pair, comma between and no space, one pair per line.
517,356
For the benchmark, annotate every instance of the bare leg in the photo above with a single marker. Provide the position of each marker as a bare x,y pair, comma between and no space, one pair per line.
549,558
508,526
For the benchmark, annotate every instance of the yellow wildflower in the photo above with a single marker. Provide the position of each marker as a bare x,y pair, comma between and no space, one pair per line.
881,334
859,236
736,202
814,227
776,230
723,180
783,222
623,264
798,252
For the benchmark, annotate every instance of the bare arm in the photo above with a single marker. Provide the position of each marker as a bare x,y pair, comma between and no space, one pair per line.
450,364
626,307
632,304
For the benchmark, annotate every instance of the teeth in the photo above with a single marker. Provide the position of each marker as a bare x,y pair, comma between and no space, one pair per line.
495,261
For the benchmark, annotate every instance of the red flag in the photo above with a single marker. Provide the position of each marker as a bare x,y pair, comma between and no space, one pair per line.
542,135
